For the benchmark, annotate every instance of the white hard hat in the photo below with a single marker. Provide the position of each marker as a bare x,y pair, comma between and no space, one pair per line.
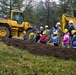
71,21
41,27
46,26
58,23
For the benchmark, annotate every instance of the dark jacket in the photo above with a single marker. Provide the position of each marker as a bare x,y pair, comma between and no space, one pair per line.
70,29
74,41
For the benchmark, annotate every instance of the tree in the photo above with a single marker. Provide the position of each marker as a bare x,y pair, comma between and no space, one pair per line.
46,12
68,6
4,7
47,4
17,4
40,12
30,14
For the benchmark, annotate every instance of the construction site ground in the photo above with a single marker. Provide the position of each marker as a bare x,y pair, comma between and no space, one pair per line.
42,49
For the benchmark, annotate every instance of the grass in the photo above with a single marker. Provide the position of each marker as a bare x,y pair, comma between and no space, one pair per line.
14,61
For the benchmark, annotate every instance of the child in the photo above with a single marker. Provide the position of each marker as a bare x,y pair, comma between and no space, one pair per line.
25,36
66,38
37,36
55,39
32,37
43,37
74,39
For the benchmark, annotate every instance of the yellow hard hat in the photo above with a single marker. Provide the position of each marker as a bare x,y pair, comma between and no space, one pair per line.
73,31
32,34
55,33
24,32
65,30
44,32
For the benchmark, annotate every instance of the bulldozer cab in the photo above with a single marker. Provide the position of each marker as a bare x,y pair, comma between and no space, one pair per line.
18,16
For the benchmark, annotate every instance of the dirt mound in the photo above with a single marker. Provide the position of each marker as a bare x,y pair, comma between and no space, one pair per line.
42,49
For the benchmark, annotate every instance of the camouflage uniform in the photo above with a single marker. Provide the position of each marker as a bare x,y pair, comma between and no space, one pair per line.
59,32
48,34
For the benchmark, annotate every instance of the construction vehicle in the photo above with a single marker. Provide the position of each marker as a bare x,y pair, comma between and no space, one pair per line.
65,19
15,26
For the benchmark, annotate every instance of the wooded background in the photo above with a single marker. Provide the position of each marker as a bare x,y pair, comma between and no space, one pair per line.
40,12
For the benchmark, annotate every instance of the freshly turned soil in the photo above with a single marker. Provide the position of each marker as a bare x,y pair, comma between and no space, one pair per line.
42,49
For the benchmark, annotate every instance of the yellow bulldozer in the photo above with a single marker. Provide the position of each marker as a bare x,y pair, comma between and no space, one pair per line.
15,26
65,19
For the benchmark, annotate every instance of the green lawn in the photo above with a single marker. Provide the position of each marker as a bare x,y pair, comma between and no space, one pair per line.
14,61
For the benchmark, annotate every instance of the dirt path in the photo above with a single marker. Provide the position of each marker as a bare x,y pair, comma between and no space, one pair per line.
42,49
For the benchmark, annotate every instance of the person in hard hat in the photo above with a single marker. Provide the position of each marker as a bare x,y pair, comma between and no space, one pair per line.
66,38
59,32
25,36
74,39
48,33
43,37
37,36
71,27
32,37
41,30
55,39
53,30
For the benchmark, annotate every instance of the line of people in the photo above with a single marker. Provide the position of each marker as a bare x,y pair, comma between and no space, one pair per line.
55,36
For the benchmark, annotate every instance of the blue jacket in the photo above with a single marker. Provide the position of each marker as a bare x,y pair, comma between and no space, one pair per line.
54,30
74,41
55,39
